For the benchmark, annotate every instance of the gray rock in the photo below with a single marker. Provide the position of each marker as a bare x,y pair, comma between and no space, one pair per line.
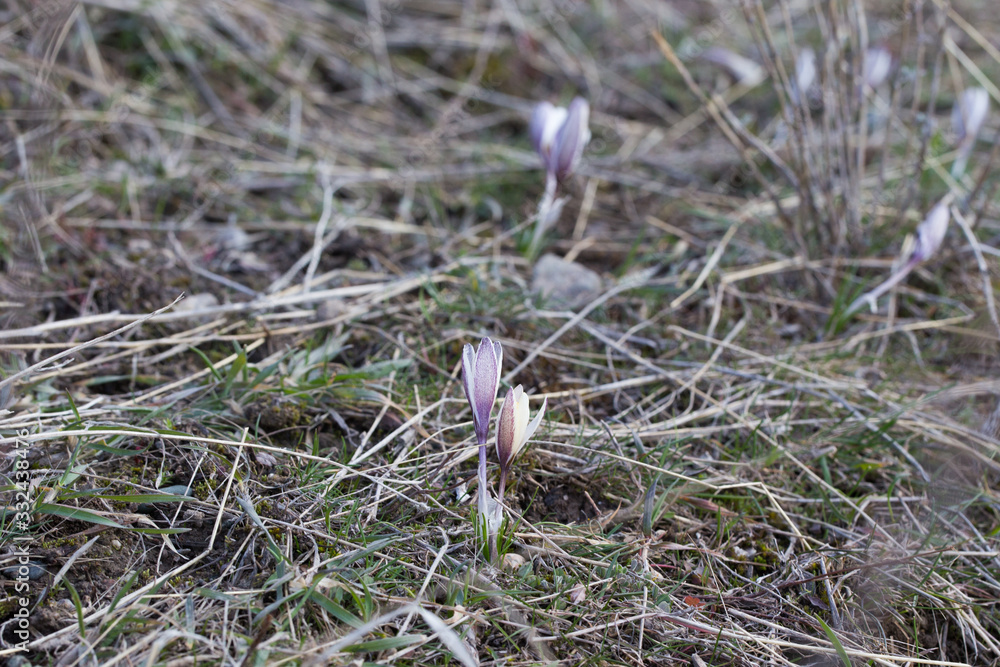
34,572
565,284
330,309
18,660
196,302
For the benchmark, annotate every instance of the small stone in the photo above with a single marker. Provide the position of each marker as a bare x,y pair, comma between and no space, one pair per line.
138,247
32,571
232,238
513,561
331,309
265,459
565,284
196,302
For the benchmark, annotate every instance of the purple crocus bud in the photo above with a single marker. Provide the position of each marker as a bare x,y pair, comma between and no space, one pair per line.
969,113
481,378
876,66
546,120
930,232
571,139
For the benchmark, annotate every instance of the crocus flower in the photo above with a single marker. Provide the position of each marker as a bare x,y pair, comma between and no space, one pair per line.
573,137
967,117
481,377
514,430
744,70
930,234
805,75
559,135
876,66
969,112
545,123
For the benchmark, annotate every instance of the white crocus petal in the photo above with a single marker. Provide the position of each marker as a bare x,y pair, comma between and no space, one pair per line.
520,421
545,123
533,426
877,65
553,123
969,112
469,369
744,70
536,127
805,73
930,232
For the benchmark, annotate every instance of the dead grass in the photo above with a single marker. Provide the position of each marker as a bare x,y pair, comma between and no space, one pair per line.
279,468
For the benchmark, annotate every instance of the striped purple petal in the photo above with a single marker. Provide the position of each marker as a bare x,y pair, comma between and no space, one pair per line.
481,378
571,139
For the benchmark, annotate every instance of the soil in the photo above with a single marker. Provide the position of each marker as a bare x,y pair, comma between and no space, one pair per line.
564,503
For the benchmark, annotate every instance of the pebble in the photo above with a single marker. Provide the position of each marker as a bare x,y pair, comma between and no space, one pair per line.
512,561
565,284
196,302
35,572
330,309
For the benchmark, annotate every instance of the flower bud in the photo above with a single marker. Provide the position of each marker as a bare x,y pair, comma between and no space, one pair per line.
876,66
560,135
481,379
930,232
546,120
513,428
744,70
969,113
571,139
805,75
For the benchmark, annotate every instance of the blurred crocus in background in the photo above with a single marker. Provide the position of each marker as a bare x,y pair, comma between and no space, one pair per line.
967,118
481,379
514,430
546,121
805,75
930,235
876,66
559,136
745,71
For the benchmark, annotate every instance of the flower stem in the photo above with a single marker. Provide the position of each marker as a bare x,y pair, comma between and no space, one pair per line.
484,506
890,282
542,217
503,483
482,482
